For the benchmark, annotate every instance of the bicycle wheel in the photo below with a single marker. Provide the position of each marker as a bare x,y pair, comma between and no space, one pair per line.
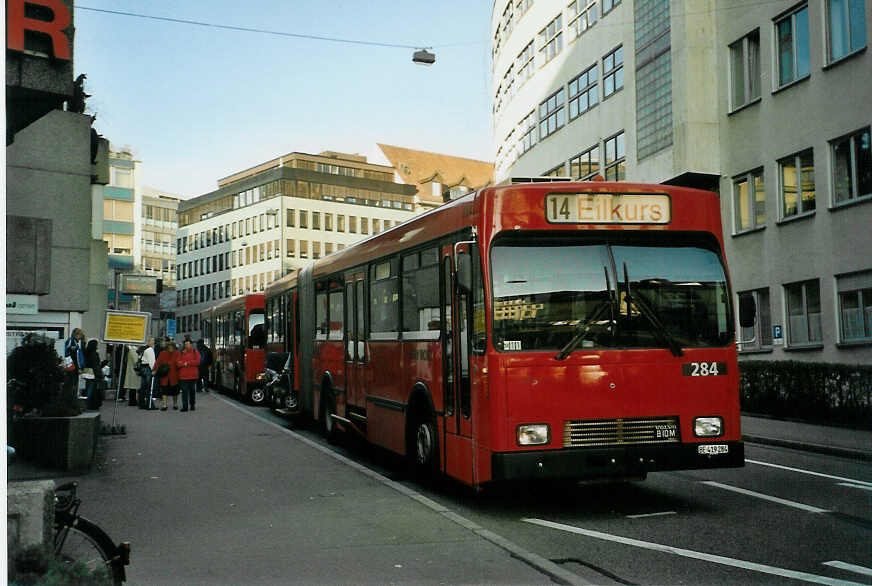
77,540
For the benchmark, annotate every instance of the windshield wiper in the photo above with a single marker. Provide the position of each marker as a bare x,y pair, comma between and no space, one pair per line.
583,329
651,314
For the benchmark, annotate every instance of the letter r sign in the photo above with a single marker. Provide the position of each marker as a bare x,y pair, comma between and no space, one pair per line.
17,23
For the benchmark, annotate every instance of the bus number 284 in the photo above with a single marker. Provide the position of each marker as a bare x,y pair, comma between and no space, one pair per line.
704,369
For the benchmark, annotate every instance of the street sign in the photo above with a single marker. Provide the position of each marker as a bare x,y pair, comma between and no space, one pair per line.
126,326
171,328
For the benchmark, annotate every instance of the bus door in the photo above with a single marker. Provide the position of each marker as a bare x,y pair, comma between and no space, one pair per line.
457,424
355,347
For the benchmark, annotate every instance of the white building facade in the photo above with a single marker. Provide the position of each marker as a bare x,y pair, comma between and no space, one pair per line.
268,221
767,103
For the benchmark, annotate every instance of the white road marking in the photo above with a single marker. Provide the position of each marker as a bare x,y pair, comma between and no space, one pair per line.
851,480
766,497
852,485
849,567
707,557
651,515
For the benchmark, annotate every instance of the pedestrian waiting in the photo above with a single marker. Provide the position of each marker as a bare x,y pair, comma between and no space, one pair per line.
167,370
189,371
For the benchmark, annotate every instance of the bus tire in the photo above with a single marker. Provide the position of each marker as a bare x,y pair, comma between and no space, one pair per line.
423,448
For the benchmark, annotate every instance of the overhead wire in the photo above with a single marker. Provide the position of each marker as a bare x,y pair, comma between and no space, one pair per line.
253,29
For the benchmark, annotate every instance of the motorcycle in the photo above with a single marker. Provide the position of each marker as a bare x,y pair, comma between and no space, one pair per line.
280,395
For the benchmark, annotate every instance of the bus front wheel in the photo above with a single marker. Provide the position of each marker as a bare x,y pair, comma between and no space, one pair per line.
423,451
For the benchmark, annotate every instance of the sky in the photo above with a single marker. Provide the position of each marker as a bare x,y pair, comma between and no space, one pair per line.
198,103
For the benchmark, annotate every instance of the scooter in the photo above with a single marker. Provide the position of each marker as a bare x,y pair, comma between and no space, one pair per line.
280,394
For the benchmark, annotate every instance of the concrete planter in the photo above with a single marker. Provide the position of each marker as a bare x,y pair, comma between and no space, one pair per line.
65,443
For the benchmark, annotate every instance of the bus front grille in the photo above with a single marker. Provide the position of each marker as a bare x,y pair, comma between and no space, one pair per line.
617,432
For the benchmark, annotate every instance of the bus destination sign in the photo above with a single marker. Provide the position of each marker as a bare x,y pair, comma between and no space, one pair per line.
607,208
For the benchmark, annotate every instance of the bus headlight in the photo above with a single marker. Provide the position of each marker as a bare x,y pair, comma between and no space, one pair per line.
708,426
534,434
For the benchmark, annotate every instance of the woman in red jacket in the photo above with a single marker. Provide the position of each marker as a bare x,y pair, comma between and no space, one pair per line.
169,380
189,371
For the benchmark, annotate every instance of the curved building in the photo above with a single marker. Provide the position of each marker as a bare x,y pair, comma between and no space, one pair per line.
605,86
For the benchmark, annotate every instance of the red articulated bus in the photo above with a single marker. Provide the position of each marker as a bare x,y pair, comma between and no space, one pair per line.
236,332
531,331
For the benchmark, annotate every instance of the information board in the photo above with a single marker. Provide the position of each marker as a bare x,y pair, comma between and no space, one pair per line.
126,326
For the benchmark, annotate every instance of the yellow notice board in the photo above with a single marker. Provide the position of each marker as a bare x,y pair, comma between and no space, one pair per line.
126,326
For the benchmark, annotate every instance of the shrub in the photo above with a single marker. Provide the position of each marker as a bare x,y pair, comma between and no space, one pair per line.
38,565
40,385
813,391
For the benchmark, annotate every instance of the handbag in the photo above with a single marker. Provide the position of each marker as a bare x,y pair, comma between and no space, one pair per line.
68,364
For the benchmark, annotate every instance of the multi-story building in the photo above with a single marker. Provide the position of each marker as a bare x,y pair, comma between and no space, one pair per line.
271,219
121,208
437,177
767,104
159,224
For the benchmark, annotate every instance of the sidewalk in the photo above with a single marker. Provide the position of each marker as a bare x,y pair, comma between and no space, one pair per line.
219,496
823,439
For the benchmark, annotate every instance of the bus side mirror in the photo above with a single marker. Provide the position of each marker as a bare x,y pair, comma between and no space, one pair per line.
747,311
464,271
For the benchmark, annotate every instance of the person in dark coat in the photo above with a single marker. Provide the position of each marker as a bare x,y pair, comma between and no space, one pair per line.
93,392
205,365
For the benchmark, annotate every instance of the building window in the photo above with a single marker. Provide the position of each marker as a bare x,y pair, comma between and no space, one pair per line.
585,165
847,27
758,336
527,132
551,40
552,115
316,220
616,155
290,247
613,72
608,5
653,74
364,225
304,219
745,70
797,184
852,167
376,225
749,198
582,16
855,307
525,63
583,93
291,214
304,249
804,313
352,224
791,34
340,223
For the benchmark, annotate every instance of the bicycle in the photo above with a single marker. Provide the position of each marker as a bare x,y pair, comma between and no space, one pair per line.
78,540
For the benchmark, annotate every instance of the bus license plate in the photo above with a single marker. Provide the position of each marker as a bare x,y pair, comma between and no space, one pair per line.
713,450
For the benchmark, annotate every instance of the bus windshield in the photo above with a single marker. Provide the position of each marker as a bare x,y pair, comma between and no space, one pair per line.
575,295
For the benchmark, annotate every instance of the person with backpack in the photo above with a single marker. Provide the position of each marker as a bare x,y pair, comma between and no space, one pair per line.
205,365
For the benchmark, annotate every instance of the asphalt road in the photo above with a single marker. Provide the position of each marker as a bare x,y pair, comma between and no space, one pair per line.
786,517
237,505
